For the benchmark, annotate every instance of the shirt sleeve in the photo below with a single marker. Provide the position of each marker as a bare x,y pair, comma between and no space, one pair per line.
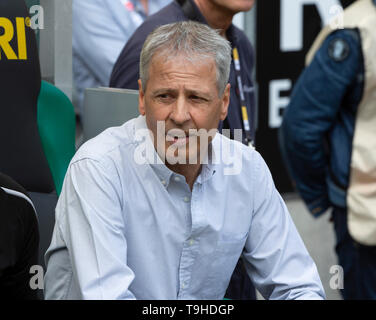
312,111
100,31
89,214
275,256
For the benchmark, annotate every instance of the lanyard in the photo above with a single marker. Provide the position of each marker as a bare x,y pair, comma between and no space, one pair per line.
246,123
192,14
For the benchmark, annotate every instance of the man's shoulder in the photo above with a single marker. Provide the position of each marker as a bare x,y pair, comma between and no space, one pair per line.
8,183
240,166
242,42
243,45
341,53
241,39
111,141
125,71
15,204
169,14
228,149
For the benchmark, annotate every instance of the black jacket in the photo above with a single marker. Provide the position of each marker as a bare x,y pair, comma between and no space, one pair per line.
19,241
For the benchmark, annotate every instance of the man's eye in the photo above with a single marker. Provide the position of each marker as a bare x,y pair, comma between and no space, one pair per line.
197,98
164,96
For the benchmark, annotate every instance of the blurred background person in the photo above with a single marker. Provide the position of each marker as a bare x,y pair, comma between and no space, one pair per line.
328,138
100,30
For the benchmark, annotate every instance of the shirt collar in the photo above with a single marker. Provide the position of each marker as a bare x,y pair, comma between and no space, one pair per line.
198,15
209,168
162,171
164,174
231,33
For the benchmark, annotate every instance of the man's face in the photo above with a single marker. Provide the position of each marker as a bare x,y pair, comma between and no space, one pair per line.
184,95
234,6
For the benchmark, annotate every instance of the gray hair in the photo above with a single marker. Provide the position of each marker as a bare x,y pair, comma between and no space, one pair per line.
191,39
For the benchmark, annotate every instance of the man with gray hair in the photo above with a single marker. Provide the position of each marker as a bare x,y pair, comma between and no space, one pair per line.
218,14
153,209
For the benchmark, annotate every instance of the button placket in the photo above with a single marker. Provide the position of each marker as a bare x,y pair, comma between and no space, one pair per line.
198,221
189,251
185,271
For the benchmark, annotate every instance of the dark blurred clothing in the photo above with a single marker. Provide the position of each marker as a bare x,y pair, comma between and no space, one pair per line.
19,241
358,261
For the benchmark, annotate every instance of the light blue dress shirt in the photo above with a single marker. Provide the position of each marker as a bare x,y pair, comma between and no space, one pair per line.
126,230
101,29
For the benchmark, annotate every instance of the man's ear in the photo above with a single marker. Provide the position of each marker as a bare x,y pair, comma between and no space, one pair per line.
225,102
141,98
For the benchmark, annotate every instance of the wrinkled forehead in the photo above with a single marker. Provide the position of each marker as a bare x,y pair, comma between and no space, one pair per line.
165,61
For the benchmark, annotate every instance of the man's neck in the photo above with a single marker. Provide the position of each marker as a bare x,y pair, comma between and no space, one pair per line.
189,171
215,16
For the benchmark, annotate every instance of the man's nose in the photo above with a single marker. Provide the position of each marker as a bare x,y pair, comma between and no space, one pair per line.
180,113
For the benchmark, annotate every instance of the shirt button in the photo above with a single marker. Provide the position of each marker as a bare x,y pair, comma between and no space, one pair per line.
177,179
191,242
186,199
164,182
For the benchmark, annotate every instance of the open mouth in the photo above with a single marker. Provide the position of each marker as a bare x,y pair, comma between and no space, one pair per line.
179,140
179,137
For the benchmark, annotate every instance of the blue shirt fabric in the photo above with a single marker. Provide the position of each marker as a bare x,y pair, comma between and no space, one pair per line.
131,229
318,124
100,30
126,69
